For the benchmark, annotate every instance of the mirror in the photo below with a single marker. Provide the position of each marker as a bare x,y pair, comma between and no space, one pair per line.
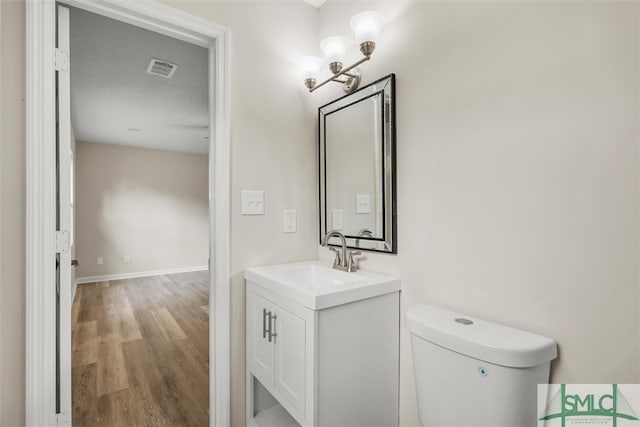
357,167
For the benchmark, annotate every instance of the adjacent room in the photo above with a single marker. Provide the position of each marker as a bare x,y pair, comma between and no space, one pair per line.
140,241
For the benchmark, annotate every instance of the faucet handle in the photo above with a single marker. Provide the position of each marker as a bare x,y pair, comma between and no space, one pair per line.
337,261
351,265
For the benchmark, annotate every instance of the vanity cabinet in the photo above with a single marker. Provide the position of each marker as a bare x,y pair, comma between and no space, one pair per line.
330,366
276,348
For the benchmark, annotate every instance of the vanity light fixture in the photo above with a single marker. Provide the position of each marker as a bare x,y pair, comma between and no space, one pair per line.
366,27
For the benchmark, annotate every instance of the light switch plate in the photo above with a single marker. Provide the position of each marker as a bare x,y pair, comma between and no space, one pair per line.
336,219
290,221
252,202
363,204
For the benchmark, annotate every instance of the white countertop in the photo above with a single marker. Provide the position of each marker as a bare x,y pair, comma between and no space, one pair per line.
316,285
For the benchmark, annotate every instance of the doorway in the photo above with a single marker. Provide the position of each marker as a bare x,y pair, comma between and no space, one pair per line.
41,199
139,225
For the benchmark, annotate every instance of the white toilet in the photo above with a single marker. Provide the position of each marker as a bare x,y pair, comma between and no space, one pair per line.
472,373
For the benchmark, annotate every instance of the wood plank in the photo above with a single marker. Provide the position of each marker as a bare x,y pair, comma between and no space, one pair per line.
128,326
194,323
84,397
119,322
205,308
143,295
91,301
147,325
191,285
112,374
94,285
119,409
185,378
116,297
170,329
84,343
149,384
117,317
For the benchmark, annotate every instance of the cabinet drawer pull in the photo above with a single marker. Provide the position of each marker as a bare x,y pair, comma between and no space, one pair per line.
265,313
272,327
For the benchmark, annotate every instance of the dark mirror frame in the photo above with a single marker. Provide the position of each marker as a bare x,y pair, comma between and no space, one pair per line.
386,88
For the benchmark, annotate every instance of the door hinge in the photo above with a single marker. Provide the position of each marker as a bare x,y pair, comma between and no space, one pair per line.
61,60
63,419
62,241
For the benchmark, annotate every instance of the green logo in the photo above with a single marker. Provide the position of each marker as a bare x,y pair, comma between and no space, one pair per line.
564,405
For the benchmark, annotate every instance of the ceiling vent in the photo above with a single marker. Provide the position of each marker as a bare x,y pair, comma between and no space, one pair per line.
315,3
161,68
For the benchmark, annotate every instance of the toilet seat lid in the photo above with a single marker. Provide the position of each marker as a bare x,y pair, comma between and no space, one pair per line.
480,339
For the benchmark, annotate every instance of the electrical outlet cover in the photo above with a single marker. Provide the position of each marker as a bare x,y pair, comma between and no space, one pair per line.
363,204
252,202
290,221
337,219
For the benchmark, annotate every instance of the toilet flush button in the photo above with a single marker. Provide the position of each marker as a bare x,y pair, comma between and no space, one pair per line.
463,321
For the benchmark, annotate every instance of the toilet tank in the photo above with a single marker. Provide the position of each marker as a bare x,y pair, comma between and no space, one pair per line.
472,373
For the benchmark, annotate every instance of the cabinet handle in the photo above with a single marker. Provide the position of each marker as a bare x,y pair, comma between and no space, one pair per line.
264,322
272,327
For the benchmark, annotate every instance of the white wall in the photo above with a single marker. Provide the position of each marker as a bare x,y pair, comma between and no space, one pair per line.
150,205
517,171
12,213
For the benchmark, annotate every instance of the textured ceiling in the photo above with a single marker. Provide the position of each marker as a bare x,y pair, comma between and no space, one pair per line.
112,93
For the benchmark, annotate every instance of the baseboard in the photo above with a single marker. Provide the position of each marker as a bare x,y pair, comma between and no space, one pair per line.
120,276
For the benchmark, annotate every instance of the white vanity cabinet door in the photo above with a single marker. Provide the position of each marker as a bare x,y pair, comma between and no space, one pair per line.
260,352
290,357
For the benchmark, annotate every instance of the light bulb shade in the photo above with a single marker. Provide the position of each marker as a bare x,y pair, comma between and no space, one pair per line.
310,67
366,26
334,48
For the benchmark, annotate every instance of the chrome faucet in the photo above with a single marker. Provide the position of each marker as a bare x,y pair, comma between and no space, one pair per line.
344,259
363,232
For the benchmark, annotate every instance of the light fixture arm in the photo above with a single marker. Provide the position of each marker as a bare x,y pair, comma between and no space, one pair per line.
366,28
344,71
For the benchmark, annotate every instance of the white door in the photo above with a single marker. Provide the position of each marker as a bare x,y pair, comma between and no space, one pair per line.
290,349
63,222
259,348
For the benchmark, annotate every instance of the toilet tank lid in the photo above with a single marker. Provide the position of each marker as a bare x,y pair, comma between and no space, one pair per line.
480,339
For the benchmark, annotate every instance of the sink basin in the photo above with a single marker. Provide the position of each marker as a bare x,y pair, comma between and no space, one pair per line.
317,285
313,275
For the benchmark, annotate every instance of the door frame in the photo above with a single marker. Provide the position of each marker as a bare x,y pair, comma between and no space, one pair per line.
41,195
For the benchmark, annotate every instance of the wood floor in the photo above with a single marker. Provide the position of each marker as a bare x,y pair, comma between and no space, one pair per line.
140,352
